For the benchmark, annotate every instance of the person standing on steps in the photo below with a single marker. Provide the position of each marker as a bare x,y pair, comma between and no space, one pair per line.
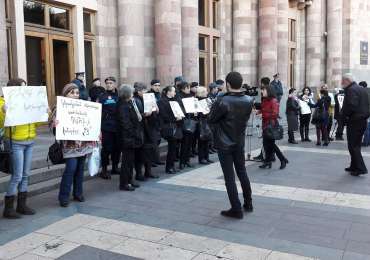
355,112
229,116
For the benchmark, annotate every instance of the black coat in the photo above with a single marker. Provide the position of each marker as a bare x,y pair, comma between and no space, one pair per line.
292,111
355,104
109,111
95,92
167,119
151,133
229,116
131,131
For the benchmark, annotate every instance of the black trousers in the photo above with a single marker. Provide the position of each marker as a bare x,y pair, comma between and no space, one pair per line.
340,127
355,132
203,150
110,148
322,133
186,144
143,157
156,154
304,126
229,160
271,149
171,154
127,166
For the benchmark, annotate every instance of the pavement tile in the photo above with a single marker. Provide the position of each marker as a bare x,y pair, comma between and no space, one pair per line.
358,247
209,257
55,248
284,256
355,256
28,256
152,251
243,252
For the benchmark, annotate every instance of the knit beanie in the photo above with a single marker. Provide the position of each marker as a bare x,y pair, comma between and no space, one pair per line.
68,88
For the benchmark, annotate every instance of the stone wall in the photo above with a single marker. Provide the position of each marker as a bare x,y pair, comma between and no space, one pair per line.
3,46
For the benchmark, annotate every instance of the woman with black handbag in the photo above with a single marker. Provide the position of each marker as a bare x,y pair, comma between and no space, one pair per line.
271,129
320,117
204,133
189,127
170,126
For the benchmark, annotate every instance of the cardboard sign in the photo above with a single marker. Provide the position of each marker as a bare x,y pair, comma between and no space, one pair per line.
150,103
189,105
176,109
25,105
78,120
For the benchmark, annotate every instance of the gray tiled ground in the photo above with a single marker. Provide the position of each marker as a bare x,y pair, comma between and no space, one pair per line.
297,227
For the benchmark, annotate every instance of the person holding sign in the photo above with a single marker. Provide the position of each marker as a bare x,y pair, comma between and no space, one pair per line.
144,155
130,123
21,139
187,103
74,153
170,126
109,129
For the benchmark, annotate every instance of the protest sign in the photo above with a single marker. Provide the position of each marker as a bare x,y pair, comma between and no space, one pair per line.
25,105
78,120
189,105
150,103
176,109
202,106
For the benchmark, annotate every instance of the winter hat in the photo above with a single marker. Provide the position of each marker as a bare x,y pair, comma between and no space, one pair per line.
68,88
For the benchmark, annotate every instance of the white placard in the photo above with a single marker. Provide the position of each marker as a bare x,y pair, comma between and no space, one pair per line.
78,120
340,100
305,108
176,109
150,103
189,105
25,105
203,106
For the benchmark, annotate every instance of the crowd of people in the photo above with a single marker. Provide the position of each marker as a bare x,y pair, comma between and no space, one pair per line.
131,136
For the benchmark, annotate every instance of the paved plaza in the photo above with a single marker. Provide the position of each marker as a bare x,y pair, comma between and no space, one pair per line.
310,210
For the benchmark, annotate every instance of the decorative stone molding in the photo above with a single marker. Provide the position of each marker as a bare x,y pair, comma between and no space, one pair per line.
302,4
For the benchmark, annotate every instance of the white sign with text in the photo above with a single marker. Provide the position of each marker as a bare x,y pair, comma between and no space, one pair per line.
25,105
176,109
189,105
78,120
150,103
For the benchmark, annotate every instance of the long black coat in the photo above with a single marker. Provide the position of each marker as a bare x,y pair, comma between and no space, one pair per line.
292,112
131,130
355,104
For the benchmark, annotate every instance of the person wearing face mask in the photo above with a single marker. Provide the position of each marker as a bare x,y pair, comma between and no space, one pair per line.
131,135
22,139
292,111
109,129
144,154
74,154
170,126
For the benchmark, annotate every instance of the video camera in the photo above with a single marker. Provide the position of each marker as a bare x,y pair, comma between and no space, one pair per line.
250,91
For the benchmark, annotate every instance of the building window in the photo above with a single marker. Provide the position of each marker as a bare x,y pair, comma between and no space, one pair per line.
292,30
34,12
208,41
87,22
59,18
292,43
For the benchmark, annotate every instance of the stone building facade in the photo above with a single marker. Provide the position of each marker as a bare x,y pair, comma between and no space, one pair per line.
309,42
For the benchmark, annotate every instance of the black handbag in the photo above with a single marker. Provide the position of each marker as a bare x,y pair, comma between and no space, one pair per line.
6,155
189,126
273,131
55,154
205,133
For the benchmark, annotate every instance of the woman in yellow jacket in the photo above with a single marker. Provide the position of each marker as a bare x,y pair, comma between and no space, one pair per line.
22,139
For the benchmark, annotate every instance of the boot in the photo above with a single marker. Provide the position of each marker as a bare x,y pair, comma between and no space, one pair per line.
104,173
283,164
248,206
22,207
9,211
232,214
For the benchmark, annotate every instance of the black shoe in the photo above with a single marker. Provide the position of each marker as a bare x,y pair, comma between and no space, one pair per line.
63,204
307,140
203,162
339,138
140,178
135,184
248,207
105,175
232,214
318,144
331,139
188,165
266,165
283,164
127,188
171,171
355,174
326,144
159,163
209,161
152,176
349,169
79,198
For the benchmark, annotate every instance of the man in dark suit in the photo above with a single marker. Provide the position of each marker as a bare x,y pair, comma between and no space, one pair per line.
229,116
355,112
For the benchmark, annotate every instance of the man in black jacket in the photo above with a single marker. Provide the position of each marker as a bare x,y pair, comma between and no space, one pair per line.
229,115
355,112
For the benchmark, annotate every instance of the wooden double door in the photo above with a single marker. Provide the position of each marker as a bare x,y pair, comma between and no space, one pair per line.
49,61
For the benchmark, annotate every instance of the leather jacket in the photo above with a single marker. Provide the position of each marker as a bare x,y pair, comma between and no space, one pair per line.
355,104
229,116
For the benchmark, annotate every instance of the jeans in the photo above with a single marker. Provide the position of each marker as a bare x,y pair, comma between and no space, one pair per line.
73,174
21,167
229,160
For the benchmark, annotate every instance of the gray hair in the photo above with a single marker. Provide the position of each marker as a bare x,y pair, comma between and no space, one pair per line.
139,86
349,77
125,91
